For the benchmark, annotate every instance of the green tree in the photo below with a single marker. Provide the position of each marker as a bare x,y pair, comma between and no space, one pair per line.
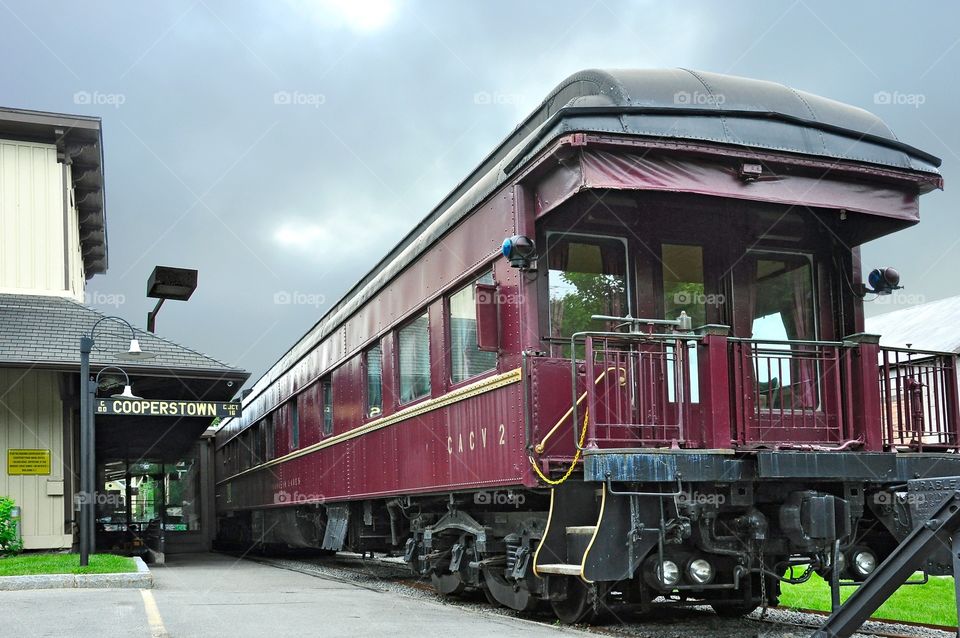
585,295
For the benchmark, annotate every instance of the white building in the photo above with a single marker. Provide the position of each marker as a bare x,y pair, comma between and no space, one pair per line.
53,239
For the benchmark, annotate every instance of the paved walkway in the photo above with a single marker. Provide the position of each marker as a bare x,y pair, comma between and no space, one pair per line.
214,595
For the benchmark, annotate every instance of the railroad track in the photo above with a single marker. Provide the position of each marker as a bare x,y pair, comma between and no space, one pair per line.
378,574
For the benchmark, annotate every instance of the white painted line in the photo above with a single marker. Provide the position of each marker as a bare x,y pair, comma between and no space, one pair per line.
157,630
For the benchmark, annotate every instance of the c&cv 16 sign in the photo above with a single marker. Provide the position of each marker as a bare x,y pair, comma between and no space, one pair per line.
159,407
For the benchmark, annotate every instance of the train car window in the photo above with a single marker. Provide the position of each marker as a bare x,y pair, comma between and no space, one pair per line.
781,297
683,282
782,307
326,389
684,291
466,359
587,276
414,356
374,365
294,416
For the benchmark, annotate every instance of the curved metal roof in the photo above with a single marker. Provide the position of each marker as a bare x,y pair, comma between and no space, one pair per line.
667,103
725,109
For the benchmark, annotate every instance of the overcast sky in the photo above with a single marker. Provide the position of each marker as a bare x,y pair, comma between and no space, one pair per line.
283,147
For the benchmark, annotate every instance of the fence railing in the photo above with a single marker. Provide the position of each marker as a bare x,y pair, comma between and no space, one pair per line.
648,394
709,390
918,390
791,392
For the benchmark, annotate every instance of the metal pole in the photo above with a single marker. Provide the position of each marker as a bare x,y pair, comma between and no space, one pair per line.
86,345
92,471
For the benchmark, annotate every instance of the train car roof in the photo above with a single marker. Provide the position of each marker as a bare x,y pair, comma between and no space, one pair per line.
655,103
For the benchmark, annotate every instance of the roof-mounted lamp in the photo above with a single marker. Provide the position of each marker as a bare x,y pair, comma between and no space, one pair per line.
167,282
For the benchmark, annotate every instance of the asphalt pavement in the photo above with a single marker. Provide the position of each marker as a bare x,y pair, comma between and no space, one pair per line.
216,595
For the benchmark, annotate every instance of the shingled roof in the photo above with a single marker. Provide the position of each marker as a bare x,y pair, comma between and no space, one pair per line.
46,331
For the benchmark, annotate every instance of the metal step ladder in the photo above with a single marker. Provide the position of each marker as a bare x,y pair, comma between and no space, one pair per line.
940,531
578,540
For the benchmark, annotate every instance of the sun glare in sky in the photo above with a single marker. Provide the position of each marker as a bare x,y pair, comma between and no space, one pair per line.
359,15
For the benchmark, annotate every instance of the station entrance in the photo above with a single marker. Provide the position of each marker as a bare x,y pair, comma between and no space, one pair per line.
152,505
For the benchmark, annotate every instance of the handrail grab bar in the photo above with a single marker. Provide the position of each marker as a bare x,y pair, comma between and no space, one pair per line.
539,447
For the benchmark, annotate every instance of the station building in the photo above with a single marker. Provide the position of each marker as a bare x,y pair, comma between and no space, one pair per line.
151,471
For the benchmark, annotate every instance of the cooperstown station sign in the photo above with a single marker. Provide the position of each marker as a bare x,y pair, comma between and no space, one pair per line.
160,407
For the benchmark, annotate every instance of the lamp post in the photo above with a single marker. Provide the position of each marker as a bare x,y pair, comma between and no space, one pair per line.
88,467
167,282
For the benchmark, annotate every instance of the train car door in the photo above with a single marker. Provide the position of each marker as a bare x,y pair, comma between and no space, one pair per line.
786,377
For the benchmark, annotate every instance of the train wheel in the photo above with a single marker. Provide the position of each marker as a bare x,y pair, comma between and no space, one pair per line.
582,602
490,599
501,592
448,584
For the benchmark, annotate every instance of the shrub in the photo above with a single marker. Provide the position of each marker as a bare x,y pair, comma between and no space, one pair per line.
9,543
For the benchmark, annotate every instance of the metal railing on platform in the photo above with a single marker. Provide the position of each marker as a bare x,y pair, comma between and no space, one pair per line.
918,389
705,389
791,392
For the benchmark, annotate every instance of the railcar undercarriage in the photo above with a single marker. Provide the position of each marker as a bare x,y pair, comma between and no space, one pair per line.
585,546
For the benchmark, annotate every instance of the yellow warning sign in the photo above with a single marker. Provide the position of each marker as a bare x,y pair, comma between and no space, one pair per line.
28,462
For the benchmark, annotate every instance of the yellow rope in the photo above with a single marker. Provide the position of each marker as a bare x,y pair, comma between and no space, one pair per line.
573,464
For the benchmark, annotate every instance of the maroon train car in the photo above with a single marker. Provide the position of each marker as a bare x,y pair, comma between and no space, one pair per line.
623,359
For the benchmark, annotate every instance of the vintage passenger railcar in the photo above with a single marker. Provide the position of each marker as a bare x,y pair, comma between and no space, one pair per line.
507,422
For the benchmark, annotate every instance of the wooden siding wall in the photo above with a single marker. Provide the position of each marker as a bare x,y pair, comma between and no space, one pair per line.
39,247
31,417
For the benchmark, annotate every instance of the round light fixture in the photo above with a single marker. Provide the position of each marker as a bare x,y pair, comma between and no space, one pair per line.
700,571
668,573
520,251
863,563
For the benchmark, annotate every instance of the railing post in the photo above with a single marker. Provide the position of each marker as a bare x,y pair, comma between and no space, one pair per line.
592,408
863,390
714,368
951,406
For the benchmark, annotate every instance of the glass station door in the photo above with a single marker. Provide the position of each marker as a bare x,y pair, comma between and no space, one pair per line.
139,500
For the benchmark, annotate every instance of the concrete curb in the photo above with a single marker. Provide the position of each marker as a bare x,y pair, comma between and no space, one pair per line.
140,579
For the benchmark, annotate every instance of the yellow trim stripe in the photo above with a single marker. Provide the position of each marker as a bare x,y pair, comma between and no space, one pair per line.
460,394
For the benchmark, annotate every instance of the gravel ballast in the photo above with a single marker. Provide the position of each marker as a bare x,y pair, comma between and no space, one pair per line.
390,575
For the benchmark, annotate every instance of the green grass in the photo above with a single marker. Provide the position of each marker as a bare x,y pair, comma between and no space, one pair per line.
932,603
32,564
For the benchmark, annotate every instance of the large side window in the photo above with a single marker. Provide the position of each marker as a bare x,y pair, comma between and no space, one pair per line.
374,364
414,359
326,390
587,276
782,308
466,359
781,297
